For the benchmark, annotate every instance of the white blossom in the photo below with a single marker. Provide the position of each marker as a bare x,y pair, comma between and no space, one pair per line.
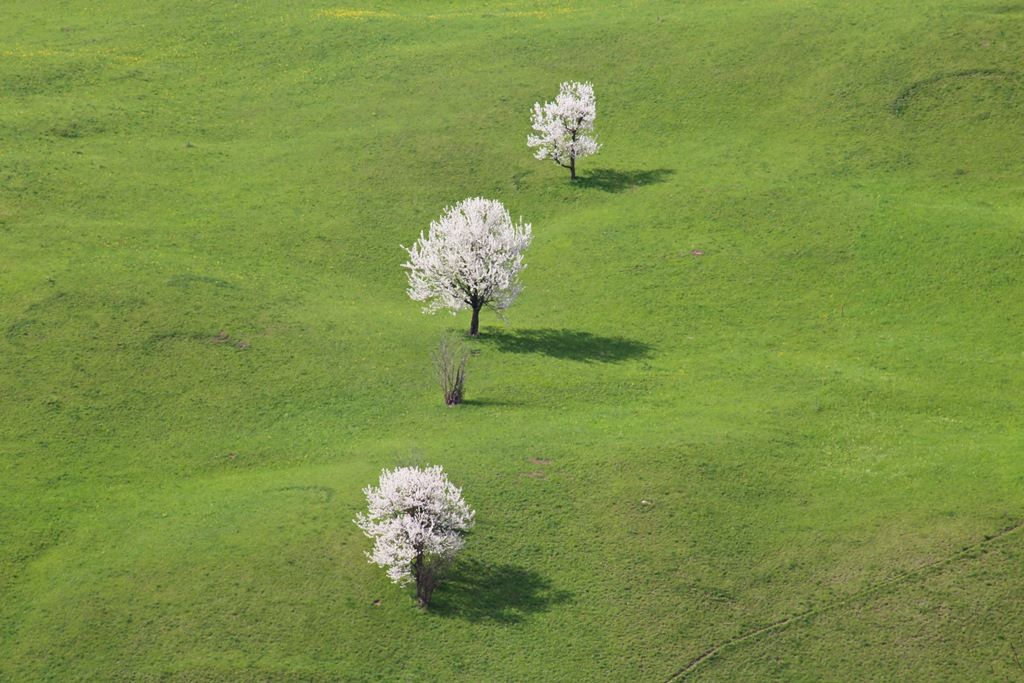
565,127
470,258
417,519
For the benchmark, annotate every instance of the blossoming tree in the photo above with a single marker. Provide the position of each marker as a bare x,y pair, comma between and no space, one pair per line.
470,258
418,520
565,127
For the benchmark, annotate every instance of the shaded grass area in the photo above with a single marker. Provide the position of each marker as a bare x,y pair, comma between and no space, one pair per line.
767,357
611,180
507,594
568,345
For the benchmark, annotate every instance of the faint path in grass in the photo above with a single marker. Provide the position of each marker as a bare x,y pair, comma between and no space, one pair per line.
902,577
899,105
187,280
363,14
19,329
326,492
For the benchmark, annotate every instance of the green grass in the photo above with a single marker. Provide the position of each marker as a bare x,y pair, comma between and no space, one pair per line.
207,350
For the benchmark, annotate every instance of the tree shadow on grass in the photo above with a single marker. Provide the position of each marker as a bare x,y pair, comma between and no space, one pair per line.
569,344
479,591
610,180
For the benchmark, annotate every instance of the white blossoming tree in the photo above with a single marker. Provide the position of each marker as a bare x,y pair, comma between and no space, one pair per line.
565,127
418,520
470,258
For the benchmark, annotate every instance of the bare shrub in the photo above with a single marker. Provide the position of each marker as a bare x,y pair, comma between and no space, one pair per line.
450,360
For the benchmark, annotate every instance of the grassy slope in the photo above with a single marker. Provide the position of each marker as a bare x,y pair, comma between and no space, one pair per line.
828,397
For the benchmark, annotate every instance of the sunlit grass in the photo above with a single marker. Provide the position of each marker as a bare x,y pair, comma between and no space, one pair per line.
768,356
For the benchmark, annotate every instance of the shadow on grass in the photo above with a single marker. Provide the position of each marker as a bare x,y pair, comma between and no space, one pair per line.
609,180
490,403
478,591
568,344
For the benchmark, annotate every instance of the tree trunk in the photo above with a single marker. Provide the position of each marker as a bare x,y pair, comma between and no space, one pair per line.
424,581
425,592
422,596
474,325
572,152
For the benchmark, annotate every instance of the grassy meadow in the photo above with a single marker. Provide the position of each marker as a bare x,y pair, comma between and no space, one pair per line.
799,452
